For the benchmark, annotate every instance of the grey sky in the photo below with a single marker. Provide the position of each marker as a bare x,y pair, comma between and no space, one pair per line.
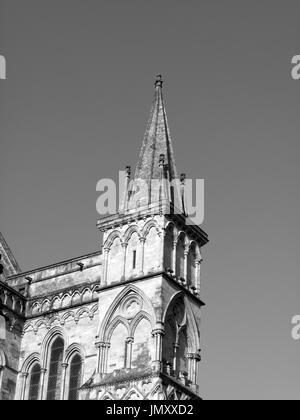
74,109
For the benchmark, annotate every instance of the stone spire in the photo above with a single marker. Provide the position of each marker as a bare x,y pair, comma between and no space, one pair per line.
157,142
156,165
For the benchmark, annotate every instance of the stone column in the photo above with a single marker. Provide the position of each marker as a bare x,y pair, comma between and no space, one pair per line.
1,375
142,241
42,384
174,258
158,334
13,303
185,275
190,365
99,346
198,275
161,252
105,265
5,298
106,348
194,358
176,347
124,246
129,344
24,376
63,381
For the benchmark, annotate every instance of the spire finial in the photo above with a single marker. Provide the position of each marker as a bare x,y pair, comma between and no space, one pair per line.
159,81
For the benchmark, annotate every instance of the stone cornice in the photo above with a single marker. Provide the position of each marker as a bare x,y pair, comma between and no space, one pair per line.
56,265
152,275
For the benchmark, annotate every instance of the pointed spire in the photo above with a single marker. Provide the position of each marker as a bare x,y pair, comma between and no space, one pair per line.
157,141
155,174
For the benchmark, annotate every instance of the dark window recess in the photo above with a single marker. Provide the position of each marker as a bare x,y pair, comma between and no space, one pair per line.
34,385
134,260
75,377
55,370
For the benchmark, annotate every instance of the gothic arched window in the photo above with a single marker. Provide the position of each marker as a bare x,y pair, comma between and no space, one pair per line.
116,355
182,363
34,382
133,256
168,249
75,377
180,261
191,266
55,369
142,344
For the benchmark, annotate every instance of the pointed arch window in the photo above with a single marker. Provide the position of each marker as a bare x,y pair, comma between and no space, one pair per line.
55,369
34,384
75,377
117,351
181,354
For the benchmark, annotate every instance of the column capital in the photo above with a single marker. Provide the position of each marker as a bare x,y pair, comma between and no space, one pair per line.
43,370
100,344
129,340
24,374
64,365
194,356
158,331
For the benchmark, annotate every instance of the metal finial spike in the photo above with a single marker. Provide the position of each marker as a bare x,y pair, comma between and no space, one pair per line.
128,170
159,81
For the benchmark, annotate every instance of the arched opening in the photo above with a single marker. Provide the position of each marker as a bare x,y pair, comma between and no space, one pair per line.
152,246
169,343
191,266
168,248
34,382
175,343
55,369
115,262
116,354
75,377
141,349
133,259
180,256
182,361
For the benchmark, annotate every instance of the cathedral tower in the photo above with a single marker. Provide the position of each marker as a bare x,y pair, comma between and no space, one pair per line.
148,339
